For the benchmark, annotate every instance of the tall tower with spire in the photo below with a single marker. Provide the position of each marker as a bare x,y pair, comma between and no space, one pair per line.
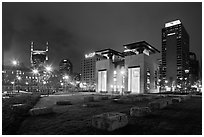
38,57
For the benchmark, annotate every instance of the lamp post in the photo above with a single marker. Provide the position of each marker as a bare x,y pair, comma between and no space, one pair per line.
13,83
186,71
48,70
18,78
36,72
159,82
123,80
66,77
15,64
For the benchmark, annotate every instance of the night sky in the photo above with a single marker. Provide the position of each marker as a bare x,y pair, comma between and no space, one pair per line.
74,29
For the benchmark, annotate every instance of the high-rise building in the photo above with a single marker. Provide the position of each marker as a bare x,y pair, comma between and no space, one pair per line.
88,66
65,67
193,68
175,52
38,57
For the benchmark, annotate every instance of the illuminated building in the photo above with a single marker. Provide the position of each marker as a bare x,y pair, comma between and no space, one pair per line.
134,71
175,52
88,70
65,67
193,68
27,82
38,57
10,80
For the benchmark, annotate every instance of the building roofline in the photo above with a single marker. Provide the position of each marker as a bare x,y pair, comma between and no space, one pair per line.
111,50
144,43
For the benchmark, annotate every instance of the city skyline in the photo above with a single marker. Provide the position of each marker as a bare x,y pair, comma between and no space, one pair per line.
74,29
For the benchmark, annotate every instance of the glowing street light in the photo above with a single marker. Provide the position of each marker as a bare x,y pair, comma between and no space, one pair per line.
15,62
186,71
122,72
66,77
123,79
19,78
48,68
35,71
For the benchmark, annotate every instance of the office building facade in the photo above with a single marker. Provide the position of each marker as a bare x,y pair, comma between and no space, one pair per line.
88,65
133,71
65,67
175,53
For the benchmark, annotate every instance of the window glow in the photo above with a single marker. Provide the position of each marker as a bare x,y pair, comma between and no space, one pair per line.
90,55
171,34
169,24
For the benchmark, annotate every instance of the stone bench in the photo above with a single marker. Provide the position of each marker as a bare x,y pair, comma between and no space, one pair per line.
169,101
142,98
159,104
64,102
88,99
16,107
139,111
40,111
117,100
185,97
110,121
91,105
176,100
103,98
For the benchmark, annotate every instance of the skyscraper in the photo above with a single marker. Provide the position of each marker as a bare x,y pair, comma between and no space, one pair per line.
175,52
38,57
88,66
65,67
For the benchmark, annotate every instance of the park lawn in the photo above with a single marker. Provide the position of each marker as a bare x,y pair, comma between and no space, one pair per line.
178,119
13,116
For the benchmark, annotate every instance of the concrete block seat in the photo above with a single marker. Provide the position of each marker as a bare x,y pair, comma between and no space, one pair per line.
88,99
176,100
64,102
169,101
158,104
103,98
40,111
110,121
140,111
185,97
91,104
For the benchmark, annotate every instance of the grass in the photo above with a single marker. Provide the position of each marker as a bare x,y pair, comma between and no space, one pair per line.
13,116
178,119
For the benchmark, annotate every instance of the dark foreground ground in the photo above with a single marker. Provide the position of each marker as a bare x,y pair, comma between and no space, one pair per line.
184,118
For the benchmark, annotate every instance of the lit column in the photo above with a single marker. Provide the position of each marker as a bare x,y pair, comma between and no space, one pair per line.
15,64
36,72
123,80
18,78
66,77
186,71
48,70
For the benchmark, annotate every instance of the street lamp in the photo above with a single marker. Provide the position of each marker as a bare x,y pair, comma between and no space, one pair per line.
15,62
123,79
48,68
36,72
186,79
13,83
18,78
66,77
